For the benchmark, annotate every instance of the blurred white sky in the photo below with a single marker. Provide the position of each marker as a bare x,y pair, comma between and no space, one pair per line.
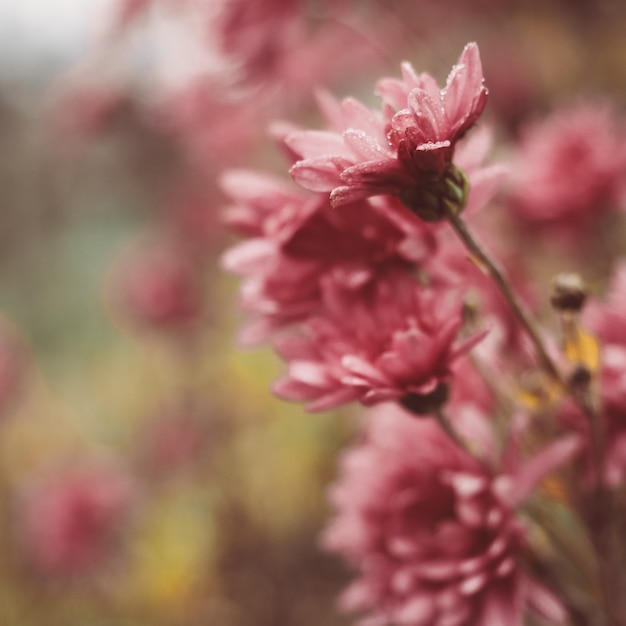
46,34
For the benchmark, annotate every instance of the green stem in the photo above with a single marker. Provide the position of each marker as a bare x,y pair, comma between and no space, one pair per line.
504,285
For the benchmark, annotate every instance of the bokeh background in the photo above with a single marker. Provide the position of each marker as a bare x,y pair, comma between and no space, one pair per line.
147,475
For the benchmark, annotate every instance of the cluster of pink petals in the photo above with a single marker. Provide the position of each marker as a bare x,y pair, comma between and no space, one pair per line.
432,532
571,169
247,32
394,152
213,129
393,339
69,518
294,241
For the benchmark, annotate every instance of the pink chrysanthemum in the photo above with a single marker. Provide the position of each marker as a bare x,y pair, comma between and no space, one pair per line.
571,170
296,240
159,287
392,340
69,518
407,150
432,532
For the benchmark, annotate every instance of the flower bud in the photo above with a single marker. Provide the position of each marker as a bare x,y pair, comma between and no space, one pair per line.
428,403
569,292
437,195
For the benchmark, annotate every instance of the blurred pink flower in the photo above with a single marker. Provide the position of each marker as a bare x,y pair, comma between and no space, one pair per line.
406,151
173,441
69,518
247,32
87,110
571,170
432,532
213,125
389,341
160,287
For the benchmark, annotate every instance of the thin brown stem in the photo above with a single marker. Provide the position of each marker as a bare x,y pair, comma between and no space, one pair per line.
497,274
445,423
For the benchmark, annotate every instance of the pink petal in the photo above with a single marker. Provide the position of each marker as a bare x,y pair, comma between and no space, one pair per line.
343,395
473,585
471,152
467,485
484,184
545,602
360,117
248,185
314,144
464,96
319,174
381,174
502,606
309,373
365,146
289,389
428,115
436,571
249,257
359,366
343,195
549,459
418,611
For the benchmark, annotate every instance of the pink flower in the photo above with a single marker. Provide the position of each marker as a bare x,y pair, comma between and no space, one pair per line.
570,170
407,151
432,532
173,441
158,287
391,340
69,518
297,240
85,111
213,127
247,32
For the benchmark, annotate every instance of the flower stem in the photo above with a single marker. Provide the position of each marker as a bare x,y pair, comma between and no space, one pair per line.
446,425
504,285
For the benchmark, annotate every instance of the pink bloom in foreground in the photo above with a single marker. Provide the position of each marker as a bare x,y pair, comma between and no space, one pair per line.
571,170
407,150
296,240
69,518
392,340
434,534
